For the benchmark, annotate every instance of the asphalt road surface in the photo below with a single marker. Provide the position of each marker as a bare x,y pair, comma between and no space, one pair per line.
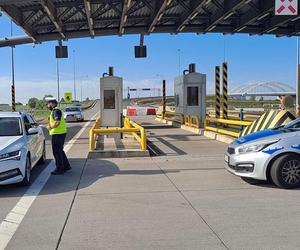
11,194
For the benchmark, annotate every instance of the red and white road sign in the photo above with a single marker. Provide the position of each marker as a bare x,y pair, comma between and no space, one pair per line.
286,7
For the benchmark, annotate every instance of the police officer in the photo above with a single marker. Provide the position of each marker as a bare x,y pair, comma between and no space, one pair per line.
58,130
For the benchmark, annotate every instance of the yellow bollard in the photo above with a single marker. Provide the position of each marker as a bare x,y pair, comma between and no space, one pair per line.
92,139
143,139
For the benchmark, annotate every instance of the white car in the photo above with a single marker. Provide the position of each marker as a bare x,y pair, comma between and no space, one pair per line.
22,146
73,114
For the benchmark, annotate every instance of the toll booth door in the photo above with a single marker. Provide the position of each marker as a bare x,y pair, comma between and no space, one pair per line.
110,102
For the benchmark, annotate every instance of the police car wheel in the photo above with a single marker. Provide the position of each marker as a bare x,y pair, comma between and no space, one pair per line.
285,171
26,180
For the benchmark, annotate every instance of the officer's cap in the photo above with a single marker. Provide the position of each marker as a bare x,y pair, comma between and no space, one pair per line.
51,100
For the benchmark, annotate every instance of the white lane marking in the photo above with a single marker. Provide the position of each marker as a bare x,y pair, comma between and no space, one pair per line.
10,224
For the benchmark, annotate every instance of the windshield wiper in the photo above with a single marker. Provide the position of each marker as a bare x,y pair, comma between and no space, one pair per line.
278,127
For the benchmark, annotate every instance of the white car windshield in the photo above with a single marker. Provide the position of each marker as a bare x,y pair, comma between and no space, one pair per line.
10,126
73,109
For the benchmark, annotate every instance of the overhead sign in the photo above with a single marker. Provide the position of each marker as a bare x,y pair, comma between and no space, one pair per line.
68,97
286,7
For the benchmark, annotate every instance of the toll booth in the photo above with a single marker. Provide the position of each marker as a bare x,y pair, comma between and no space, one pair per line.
111,99
190,93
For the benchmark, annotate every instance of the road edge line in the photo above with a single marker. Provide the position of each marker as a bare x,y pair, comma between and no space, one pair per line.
12,221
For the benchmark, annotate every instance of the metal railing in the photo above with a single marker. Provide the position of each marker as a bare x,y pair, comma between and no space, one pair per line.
134,129
188,120
192,121
167,115
232,131
131,127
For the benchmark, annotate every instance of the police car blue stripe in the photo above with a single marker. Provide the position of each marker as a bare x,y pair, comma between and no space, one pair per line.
258,135
297,146
272,150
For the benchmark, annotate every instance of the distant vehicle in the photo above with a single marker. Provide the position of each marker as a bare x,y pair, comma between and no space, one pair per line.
272,154
22,146
73,114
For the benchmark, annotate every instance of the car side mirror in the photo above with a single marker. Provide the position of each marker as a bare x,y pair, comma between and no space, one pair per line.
32,131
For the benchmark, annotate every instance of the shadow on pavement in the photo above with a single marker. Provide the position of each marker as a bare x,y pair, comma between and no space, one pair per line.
94,171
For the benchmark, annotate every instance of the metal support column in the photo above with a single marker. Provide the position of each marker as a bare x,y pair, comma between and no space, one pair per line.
164,99
218,93
74,75
225,91
58,80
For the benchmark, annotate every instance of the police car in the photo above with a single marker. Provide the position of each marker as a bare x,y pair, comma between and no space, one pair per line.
22,146
272,154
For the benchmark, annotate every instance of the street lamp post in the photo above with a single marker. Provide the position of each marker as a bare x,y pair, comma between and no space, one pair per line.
179,62
58,80
81,92
74,62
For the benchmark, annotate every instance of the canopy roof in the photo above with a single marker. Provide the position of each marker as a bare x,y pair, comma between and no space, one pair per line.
46,20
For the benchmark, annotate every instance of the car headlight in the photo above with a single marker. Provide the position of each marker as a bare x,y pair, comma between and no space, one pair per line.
16,155
255,147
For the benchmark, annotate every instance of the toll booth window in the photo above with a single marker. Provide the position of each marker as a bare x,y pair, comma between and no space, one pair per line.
193,96
109,99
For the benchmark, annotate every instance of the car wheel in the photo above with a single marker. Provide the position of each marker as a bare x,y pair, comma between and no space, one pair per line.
26,180
285,171
43,157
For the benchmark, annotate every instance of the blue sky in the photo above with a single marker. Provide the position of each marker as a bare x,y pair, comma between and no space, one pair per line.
250,58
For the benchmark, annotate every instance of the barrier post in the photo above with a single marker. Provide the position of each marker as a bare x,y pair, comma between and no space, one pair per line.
92,139
13,98
241,119
143,139
218,95
121,123
225,90
164,99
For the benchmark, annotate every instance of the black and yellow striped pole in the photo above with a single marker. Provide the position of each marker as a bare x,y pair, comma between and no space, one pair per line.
164,99
225,91
13,91
218,94
13,98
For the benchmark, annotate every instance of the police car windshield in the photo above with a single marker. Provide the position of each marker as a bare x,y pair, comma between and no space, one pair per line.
72,109
293,124
10,126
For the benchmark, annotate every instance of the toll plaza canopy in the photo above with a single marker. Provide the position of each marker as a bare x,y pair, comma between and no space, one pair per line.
46,20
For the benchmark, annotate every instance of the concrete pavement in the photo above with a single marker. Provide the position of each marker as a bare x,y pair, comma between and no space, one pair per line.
183,199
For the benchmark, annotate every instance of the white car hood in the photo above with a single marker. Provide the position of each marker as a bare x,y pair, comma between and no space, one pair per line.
15,141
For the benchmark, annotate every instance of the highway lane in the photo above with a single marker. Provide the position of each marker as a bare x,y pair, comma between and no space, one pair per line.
10,195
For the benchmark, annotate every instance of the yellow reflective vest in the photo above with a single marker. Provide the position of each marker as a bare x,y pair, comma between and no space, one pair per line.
61,129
